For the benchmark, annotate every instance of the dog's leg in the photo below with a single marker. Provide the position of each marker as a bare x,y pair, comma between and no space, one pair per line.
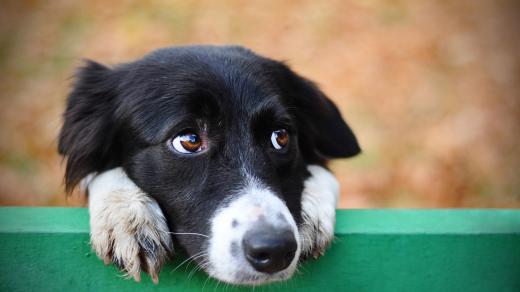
319,199
127,227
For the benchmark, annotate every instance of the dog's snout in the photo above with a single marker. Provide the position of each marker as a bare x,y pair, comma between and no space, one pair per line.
269,250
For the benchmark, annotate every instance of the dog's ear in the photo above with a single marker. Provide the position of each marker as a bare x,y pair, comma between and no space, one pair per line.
87,135
323,132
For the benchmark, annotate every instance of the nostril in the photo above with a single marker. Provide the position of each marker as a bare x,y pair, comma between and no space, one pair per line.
269,250
262,257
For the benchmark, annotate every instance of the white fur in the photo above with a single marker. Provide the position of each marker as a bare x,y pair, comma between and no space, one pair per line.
252,204
319,200
124,222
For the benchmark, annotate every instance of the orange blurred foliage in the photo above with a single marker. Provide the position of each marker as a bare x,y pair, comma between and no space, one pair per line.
432,88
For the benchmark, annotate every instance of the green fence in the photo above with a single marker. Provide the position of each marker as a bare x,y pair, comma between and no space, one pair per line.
47,249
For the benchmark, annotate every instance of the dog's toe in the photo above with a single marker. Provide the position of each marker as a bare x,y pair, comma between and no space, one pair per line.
130,231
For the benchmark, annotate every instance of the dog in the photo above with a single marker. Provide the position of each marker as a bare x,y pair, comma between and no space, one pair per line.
215,147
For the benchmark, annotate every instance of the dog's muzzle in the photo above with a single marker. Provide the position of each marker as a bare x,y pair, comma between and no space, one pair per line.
254,239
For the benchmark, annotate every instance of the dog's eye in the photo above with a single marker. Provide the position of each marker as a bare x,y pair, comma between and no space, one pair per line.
187,142
279,139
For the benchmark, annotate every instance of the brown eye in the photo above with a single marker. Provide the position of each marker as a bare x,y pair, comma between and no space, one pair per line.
279,139
187,143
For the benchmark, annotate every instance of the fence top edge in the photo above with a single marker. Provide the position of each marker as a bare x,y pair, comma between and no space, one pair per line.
349,222
430,221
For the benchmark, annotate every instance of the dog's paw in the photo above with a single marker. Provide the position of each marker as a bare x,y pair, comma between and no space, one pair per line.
127,227
319,199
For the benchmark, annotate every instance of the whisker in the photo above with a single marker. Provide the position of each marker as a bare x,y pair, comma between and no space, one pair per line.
204,263
188,233
205,282
218,283
193,271
186,260
194,258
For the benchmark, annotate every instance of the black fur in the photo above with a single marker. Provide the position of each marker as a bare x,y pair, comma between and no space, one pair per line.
125,116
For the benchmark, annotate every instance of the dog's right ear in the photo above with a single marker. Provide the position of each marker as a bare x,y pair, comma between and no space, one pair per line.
87,135
323,133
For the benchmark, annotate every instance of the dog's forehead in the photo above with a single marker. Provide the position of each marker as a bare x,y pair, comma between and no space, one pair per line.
190,85
206,64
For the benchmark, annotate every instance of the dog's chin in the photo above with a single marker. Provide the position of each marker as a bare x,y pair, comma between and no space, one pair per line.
247,276
254,278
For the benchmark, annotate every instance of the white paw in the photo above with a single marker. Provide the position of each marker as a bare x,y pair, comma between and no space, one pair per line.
319,199
127,226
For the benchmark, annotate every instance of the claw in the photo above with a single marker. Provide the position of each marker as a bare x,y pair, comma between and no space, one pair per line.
137,277
315,254
155,279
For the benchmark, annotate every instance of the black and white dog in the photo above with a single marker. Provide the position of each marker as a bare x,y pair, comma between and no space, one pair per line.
217,148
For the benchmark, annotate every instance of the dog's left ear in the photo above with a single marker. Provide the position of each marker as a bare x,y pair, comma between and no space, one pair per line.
319,120
88,136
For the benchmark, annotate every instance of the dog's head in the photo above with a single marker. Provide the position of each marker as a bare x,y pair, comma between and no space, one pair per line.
222,138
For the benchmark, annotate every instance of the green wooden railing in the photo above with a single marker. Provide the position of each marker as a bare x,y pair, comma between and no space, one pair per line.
47,249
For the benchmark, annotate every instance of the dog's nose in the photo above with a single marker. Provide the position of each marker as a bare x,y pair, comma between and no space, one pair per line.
269,250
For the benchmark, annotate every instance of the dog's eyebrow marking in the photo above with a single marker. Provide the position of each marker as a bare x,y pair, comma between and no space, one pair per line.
267,104
234,223
271,110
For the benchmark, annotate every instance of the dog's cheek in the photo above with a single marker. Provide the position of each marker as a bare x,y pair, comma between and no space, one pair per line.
293,198
190,230
160,171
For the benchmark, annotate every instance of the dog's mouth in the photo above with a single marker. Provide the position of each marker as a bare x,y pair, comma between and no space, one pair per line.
251,269
254,240
265,255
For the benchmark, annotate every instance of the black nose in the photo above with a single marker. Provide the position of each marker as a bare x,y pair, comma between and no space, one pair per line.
269,250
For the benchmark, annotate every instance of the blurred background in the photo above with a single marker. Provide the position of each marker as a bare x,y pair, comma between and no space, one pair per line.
431,88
